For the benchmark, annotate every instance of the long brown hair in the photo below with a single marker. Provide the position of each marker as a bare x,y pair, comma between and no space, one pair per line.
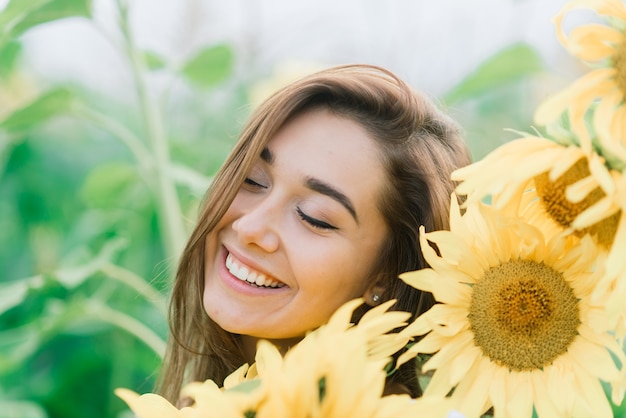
419,147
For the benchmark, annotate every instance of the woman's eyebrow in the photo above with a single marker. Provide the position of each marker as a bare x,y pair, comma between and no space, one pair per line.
319,186
326,189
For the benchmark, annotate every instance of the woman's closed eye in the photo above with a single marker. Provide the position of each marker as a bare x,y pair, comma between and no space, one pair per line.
252,183
315,223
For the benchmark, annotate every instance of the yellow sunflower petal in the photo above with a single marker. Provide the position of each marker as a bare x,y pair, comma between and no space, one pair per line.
591,392
452,292
602,209
618,128
502,158
601,174
236,377
595,360
499,393
601,7
377,327
610,343
385,346
616,261
341,319
470,393
559,387
576,260
455,211
448,320
425,406
591,41
420,279
379,320
267,357
565,161
525,158
469,354
209,401
374,323
520,397
451,256
578,191
439,384
448,347
613,8
406,356
542,162
148,405
530,246
453,250
544,404
593,87
608,120
553,106
594,82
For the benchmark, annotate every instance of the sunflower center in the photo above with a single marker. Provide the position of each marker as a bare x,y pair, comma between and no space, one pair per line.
523,315
619,64
552,197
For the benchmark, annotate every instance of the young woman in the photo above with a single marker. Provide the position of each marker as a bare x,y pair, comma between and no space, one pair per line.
319,202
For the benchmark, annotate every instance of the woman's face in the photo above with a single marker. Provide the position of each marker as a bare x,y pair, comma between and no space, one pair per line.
302,234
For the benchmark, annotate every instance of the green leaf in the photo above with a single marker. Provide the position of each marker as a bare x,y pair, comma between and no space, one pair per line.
154,61
13,293
73,276
506,66
9,54
17,10
210,66
24,409
109,183
197,182
39,110
20,15
17,344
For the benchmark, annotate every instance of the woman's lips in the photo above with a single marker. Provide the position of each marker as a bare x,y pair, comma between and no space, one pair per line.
248,274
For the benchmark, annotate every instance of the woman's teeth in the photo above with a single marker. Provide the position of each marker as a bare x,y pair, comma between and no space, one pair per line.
252,277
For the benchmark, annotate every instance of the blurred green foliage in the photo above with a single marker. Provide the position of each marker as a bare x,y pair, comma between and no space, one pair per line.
96,200
97,197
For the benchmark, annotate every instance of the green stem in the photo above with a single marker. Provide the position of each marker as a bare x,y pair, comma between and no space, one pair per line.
171,218
135,282
128,138
104,313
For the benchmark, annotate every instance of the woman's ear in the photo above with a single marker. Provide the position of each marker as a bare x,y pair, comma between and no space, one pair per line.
374,295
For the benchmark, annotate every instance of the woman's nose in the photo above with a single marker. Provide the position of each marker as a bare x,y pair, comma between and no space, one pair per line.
257,226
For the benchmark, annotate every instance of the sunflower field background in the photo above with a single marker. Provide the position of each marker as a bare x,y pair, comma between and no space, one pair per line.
99,186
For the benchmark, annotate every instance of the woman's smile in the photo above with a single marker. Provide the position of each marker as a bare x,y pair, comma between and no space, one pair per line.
241,281
249,275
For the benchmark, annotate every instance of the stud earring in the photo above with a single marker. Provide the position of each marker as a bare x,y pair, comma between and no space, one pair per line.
375,298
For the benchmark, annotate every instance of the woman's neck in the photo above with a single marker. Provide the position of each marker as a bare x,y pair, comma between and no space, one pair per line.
249,345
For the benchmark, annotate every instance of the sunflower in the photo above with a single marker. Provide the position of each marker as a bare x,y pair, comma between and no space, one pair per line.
604,46
559,189
516,327
337,370
573,191
209,401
